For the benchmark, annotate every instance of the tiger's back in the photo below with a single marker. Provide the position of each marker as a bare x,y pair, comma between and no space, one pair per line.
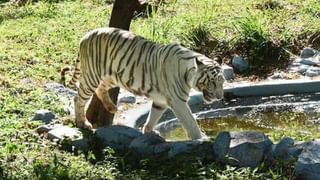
133,63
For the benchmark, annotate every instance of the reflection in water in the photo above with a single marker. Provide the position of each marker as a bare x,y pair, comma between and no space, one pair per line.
265,122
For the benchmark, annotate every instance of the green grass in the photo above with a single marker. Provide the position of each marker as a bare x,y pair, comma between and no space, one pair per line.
38,39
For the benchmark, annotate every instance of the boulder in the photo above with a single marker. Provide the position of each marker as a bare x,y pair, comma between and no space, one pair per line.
60,90
126,98
313,71
300,68
195,98
191,149
303,68
308,165
240,64
227,72
221,146
308,52
144,144
44,116
295,151
79,144
242,149
162,148
179,148
65,95
64,132
281,150
310,61
117,137
47,127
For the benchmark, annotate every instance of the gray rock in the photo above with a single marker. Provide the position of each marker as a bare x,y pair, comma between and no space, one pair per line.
313,71
227,72
310,61
240,64
47,127
80,144
65,95
44,115
191,150
281,150
161,148
127,98
295,150
248,149
144,144
117,137
43,129
180,148
195,98
301,68
221,146
71,138
308,165
59,89
308,52
64,132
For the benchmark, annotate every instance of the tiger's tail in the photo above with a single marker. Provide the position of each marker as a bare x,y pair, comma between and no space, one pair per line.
75,77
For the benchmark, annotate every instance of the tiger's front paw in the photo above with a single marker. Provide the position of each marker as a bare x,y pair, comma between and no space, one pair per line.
146,129
204,138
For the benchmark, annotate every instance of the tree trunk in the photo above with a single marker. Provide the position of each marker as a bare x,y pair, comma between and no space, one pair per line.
121,16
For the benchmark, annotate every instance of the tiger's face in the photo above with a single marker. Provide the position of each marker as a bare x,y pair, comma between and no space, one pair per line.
210,82
213,89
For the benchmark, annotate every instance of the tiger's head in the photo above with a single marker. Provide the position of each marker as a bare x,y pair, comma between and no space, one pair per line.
209,79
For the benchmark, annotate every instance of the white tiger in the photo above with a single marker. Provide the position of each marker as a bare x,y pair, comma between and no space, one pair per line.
110,57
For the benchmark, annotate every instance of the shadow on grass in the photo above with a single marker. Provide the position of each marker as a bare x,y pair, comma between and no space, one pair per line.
4,1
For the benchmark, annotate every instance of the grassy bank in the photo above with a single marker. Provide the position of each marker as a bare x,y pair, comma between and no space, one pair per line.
38,39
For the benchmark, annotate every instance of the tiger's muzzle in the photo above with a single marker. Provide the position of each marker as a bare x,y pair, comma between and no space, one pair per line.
210,97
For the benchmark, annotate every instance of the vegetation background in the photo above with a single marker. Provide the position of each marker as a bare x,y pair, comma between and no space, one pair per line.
39,38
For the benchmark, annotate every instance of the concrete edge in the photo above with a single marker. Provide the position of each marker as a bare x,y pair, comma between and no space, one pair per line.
277,87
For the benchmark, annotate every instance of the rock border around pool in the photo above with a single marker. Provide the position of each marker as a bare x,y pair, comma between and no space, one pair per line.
240,149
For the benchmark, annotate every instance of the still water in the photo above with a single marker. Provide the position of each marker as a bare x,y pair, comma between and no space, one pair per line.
283,123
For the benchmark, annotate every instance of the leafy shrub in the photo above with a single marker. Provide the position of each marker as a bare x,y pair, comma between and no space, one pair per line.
254,41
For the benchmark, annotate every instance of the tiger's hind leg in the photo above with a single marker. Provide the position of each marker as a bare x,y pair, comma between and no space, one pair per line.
103,95
84,94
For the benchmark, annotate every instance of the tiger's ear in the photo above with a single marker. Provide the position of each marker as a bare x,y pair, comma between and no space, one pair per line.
198,61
